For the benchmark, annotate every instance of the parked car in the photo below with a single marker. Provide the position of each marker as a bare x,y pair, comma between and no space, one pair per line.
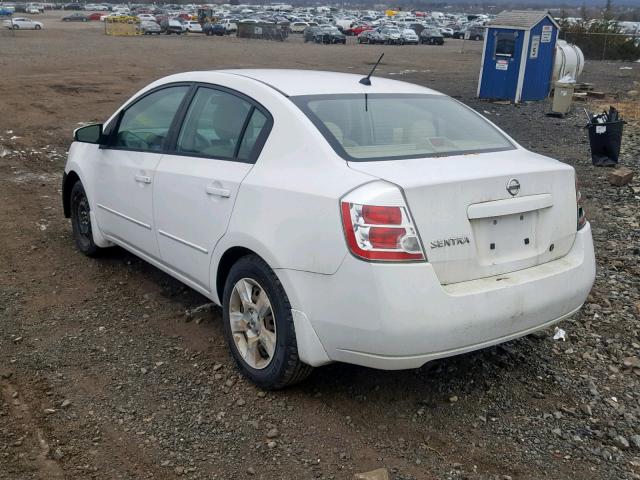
476,33
309,33
22,23
371,37
391,35
214,29
104,17
446,32
74,6
229,25
96,7
431,36
193,27
32,10
298,27
95,16
407,228
329,34
146,17
356,30
172,25
459,33
409,37
76,17
147,27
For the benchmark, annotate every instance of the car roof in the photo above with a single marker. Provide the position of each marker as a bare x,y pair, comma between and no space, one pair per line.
316,82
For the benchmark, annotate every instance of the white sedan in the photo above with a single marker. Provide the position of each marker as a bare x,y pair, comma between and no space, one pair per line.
334,218
298,27
22,23
146,17
193,27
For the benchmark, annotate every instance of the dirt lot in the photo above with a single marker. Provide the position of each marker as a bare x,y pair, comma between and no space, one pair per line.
103,376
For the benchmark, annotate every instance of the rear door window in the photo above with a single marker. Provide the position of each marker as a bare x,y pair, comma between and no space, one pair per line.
223,125
214,124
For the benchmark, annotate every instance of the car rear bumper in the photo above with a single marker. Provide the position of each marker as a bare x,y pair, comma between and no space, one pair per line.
393,316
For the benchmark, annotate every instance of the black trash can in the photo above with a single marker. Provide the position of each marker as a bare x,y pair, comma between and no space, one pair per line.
605,139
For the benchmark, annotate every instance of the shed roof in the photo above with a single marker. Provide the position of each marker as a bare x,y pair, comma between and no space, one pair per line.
521,19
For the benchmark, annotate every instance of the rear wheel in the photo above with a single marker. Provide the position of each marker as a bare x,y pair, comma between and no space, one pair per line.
38,27
258,325
81,221
16,27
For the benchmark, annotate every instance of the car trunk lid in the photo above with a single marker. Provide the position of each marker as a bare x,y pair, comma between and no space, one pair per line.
471,225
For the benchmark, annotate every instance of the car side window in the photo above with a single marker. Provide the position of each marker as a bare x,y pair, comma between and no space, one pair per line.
145,125
252,133
213,124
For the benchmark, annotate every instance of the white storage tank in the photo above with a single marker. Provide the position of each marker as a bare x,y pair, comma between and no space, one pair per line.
569,61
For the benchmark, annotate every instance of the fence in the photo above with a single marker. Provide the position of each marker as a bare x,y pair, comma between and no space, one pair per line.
605,46
263,30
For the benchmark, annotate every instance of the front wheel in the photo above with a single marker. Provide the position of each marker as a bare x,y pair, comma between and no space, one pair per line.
81,221
38,27
258,326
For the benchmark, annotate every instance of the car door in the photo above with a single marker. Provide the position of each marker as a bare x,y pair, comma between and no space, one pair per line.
196,184
126,168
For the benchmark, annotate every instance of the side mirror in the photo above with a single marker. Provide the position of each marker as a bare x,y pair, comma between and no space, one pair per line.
89,134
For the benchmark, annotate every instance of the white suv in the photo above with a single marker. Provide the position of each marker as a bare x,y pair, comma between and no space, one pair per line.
380,224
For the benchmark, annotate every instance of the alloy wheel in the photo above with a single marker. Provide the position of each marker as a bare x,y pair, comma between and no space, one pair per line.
253,324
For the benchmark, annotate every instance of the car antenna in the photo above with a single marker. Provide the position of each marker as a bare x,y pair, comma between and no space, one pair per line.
367,80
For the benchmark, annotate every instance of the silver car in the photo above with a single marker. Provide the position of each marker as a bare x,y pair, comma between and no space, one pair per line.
149,27
409,37
391,35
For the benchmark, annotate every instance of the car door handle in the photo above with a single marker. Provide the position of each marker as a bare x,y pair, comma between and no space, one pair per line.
219,192
143,179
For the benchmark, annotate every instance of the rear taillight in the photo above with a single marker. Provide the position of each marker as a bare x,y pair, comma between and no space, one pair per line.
378,232
582,216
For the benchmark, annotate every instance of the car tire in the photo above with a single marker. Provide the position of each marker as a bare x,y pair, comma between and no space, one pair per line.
81,221
283,367
16,27
38,27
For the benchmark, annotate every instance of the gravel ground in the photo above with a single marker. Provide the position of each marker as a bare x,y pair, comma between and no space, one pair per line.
103,375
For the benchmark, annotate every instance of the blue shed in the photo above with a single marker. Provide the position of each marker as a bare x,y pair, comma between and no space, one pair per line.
518,55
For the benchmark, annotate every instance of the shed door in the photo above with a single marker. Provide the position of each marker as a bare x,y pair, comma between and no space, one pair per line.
501,64
540,58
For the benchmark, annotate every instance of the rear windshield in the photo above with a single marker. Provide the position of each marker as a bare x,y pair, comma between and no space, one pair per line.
368,127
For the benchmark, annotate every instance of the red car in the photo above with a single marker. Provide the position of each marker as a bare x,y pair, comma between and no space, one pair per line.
95,16
357,30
